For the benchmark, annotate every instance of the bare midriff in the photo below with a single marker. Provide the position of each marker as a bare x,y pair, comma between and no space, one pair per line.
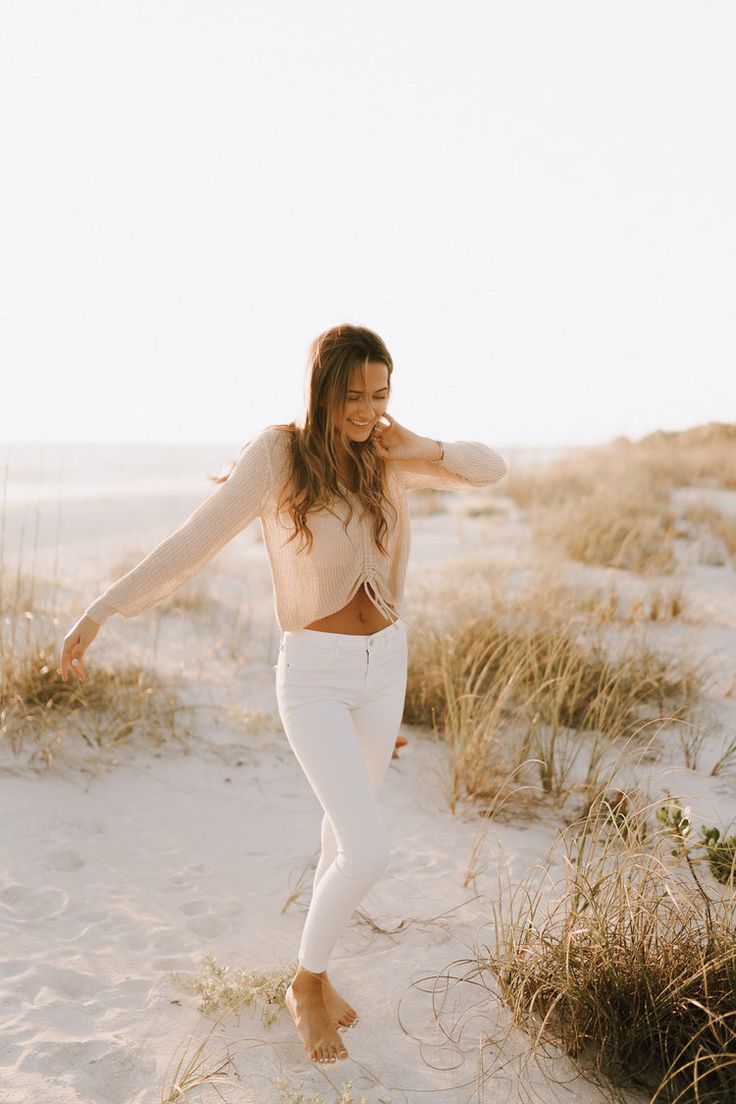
358,618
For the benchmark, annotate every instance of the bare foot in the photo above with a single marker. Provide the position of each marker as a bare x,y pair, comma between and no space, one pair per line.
306,1005
337,1006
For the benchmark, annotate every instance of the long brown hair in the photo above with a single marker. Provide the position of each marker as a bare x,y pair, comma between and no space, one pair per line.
313,479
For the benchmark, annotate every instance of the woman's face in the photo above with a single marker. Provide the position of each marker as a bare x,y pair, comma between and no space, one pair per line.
366,400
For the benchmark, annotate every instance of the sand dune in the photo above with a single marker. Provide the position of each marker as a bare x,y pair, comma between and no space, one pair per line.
121,869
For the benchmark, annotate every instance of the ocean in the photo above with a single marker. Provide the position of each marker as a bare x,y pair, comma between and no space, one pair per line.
41,471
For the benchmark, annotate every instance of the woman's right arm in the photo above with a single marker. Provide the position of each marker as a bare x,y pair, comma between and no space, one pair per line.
232,506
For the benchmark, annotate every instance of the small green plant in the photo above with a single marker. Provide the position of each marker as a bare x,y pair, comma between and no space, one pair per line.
219,987
676,821
721,854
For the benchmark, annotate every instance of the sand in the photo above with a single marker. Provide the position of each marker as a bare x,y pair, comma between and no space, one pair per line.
124,869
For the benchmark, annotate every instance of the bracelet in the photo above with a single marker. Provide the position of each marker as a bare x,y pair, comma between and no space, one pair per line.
441,456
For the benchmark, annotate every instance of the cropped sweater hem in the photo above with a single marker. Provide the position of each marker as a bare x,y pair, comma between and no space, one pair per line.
344,556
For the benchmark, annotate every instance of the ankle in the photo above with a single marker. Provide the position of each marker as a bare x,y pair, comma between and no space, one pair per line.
308,977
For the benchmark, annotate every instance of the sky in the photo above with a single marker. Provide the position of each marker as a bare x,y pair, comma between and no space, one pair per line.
533,203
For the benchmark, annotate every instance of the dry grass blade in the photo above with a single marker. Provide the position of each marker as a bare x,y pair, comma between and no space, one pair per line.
194,1069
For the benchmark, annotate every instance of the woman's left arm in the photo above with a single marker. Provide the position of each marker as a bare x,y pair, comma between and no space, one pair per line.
447,465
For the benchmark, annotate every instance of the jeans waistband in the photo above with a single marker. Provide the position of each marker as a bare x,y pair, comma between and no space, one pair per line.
344,642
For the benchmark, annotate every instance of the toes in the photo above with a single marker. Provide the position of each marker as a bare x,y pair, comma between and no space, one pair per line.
321,1054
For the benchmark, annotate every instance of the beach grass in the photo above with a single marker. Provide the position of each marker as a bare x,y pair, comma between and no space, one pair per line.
628,963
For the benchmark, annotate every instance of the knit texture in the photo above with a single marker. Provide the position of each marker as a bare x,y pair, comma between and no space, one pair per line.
306,585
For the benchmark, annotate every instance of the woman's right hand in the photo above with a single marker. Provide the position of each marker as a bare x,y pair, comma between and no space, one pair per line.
76,642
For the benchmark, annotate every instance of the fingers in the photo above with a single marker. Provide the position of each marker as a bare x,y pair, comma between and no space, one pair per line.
72,655
64,661
378,444
377,435
78,668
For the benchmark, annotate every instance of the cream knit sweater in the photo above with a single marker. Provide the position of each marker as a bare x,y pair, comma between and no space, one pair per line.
305,586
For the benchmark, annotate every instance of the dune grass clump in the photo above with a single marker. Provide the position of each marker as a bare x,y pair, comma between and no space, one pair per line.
518,704
701,455
595,517
424,701
606,606
626,529
660,604
632,968
610,505
41,711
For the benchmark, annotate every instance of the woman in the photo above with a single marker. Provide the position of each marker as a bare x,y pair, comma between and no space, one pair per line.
331,498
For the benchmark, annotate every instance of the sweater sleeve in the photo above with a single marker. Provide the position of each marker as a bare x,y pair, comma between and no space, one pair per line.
230,507
465,464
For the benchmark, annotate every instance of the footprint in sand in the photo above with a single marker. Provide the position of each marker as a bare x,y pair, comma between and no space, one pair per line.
194,908
64,859
208,926
124,1071
35,904
188,878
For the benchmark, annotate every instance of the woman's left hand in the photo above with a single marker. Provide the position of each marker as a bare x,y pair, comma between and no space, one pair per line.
396,442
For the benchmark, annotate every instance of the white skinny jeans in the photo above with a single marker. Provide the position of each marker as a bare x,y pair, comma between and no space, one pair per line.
341,698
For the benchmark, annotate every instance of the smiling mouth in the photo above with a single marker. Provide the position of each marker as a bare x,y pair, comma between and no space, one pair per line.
359,425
